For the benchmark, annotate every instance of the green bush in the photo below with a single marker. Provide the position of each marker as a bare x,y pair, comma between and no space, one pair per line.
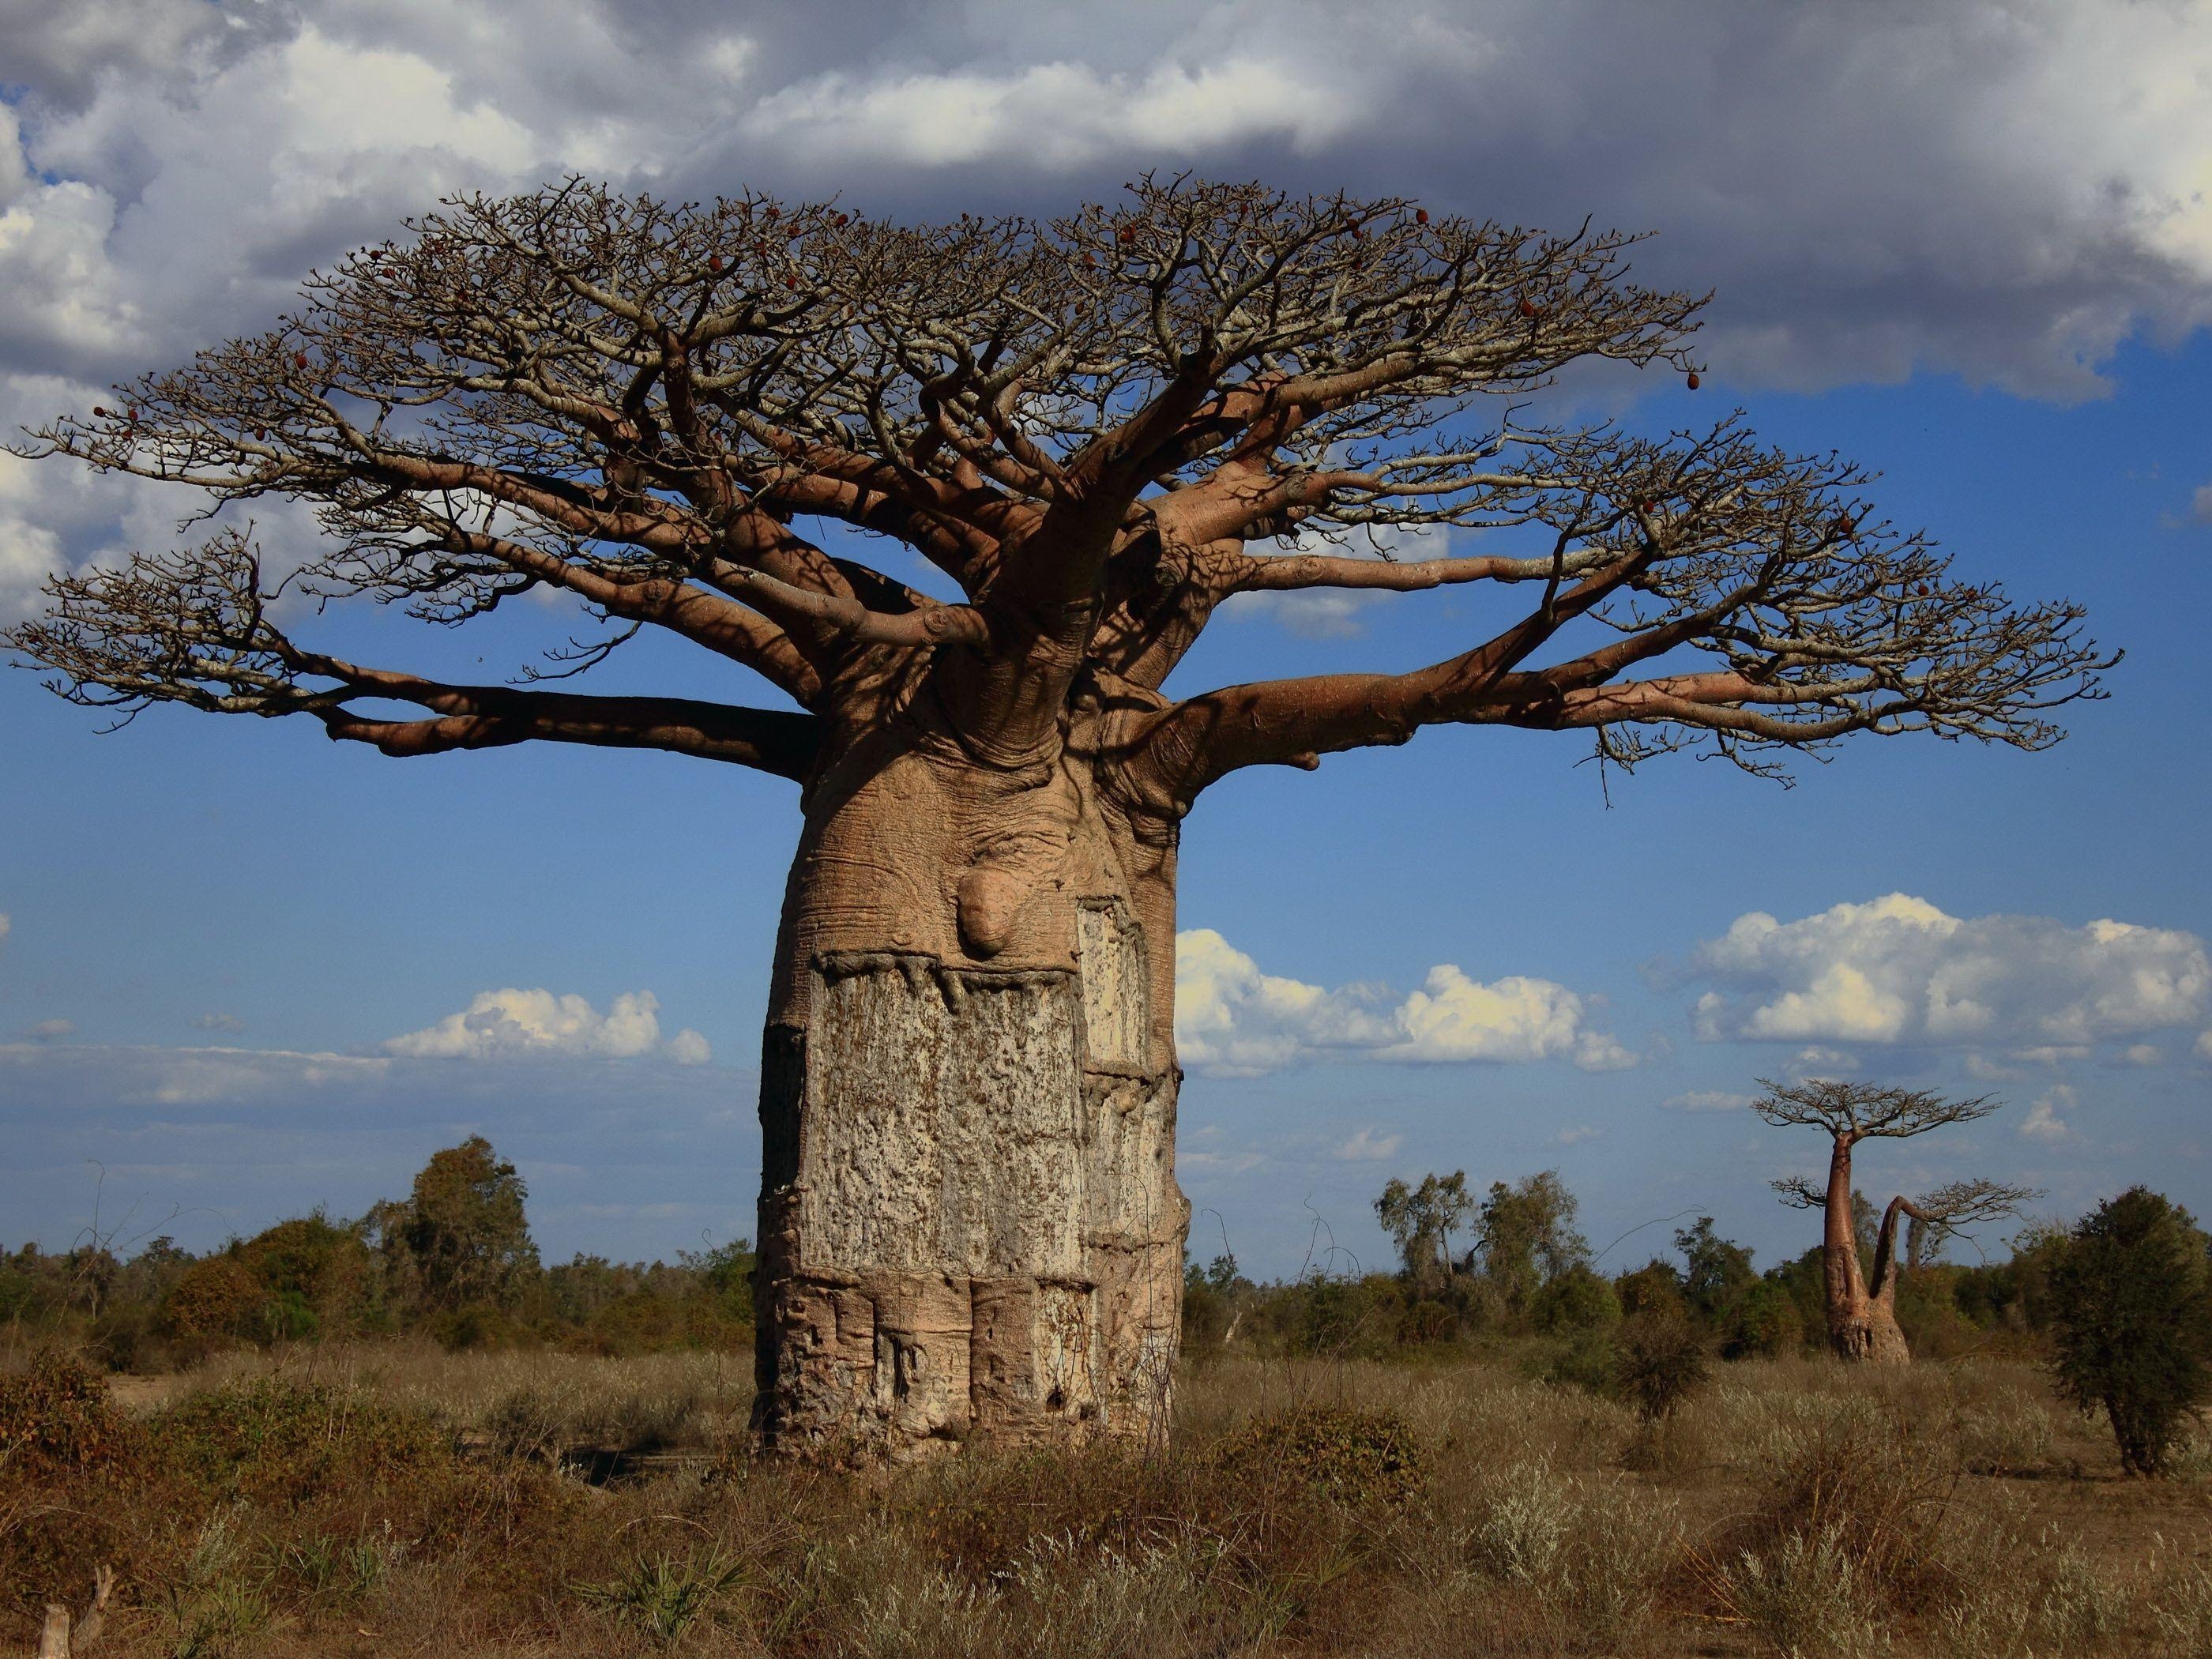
2131,1322
1577,1299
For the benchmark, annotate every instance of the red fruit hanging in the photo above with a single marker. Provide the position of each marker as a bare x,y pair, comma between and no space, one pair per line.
97,413
1847,526
1420,215
1528,309
1693,379
1125,236
715,262
299,360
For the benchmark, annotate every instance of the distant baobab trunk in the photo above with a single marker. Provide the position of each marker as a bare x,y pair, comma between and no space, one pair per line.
1078,438
1862,1314
1862,1318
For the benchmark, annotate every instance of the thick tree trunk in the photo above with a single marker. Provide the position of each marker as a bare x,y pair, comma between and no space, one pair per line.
969,1223
1862,1324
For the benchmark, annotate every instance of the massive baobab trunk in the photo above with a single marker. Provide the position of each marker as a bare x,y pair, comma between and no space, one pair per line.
970,1221
1093,427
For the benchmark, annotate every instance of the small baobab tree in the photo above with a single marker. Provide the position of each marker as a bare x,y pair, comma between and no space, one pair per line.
1092,430
1862,1307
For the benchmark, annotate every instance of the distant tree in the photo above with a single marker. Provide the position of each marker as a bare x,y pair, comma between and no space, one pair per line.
1862,1301
462,1236
1421,1221
1655,1287
2131,1321
1713,1269
1526,1238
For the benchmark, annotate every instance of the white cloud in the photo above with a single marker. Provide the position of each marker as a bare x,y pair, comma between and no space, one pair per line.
1054,115
2202,1048
2043,1121
2200,504
1899,969
4,926
1233,1020
1319,614
2025,184
1705,1100
512,1023
1576,1135
51,1031
1368,1147
2143,1054
230,1023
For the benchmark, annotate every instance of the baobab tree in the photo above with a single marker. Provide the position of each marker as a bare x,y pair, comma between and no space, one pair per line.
1094,429
1861,1308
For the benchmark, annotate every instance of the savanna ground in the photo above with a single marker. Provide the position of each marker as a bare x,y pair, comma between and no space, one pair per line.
390,1498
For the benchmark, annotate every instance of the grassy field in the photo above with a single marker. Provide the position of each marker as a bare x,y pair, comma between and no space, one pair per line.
385,1499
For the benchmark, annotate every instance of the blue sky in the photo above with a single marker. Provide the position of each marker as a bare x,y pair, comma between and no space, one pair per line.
235,954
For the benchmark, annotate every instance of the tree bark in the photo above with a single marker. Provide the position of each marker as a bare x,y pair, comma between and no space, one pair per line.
1862,1325
969,1221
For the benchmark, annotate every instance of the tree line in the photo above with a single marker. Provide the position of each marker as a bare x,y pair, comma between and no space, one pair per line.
453,1260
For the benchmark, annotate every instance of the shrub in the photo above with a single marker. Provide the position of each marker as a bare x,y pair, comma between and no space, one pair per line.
1662,1363
1354,1456
1801,1597
1577,1299
56,1423
663,1595
2129,1320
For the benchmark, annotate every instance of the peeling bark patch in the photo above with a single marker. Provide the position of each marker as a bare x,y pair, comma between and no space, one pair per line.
942,1138
1110,952
981,1234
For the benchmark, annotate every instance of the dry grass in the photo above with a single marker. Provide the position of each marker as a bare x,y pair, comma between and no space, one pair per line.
385,1499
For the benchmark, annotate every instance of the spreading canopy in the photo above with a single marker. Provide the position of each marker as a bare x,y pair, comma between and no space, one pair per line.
1094,427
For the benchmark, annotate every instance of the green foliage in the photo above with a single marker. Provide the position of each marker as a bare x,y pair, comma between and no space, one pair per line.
1715,1270
1421,1219
1526,1238
1578,1299
1762,1320
2131,1322
462,1236
1656,1287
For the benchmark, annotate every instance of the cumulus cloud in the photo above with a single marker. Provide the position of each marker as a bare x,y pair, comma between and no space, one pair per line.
2203,1045
1900,969
51,1031
509,1024
227,1022
2043,1121
2008,190
1576,1136
1233,1020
